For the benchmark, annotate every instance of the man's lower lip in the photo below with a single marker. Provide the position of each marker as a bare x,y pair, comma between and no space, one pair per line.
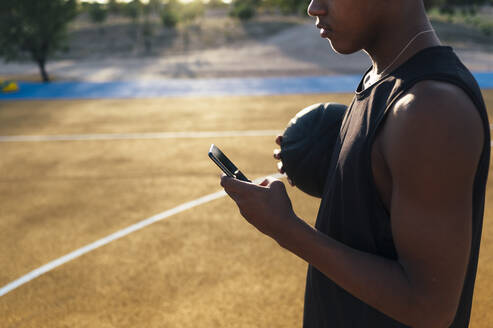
324,33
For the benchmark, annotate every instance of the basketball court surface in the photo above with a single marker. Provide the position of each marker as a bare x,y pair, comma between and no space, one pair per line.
111,216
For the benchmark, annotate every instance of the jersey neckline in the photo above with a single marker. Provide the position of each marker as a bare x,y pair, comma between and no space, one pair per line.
360,92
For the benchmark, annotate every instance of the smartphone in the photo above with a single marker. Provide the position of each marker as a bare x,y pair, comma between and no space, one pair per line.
225,164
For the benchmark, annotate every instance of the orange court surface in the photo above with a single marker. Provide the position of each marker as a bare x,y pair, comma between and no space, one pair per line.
201,267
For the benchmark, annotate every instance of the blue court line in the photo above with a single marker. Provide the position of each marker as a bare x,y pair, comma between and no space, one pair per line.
197,87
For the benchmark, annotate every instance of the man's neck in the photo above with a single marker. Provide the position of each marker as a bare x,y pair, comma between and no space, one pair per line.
396,42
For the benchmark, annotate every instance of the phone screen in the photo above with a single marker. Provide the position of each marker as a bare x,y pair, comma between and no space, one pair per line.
225,164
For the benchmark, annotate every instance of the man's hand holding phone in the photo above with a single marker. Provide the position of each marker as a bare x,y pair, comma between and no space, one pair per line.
266,205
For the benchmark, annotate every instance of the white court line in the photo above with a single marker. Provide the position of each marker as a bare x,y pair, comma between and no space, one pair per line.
149,135
155,135
114,236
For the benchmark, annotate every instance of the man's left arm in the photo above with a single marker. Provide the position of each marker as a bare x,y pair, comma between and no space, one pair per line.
432,140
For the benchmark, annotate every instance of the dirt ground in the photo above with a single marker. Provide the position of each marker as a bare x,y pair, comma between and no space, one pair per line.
219,47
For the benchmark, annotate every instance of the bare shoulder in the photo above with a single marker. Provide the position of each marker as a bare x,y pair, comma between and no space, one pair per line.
431,141
435,115
436,98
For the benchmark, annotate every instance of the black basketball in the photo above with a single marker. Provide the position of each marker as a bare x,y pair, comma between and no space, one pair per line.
307,145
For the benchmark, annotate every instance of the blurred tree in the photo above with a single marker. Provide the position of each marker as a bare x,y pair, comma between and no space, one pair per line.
292,6
244,9
36,28
288,7
98,14
170,14
187,14
133,9
169,18
155,6
114,6
449,6
191,11
174,12
147,27
216,4
83,7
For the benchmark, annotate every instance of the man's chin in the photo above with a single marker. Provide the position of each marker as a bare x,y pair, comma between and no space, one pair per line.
342,50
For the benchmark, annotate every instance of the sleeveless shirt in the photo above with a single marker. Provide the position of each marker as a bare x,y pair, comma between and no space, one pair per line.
352,211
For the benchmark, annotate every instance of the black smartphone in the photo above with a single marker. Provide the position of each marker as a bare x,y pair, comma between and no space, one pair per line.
225,164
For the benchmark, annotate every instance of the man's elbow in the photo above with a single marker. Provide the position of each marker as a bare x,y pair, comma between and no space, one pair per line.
434,321
433,315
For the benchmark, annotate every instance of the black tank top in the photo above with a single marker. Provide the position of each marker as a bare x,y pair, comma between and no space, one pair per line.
351,210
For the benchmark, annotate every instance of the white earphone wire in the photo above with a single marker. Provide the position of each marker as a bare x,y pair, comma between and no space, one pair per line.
378,75
404,49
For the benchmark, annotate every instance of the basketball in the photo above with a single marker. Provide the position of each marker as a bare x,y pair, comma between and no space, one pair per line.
307,145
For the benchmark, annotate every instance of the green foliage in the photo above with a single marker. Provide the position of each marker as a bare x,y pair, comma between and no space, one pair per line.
83,7
148,26
450,6
97,13
36,28
114,6
486,28
191,11
169,18
170,14
244,9
288,7
133,9
463,15
217,4
174,12
155,5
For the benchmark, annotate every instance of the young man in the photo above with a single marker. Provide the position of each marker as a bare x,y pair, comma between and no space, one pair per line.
397,236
